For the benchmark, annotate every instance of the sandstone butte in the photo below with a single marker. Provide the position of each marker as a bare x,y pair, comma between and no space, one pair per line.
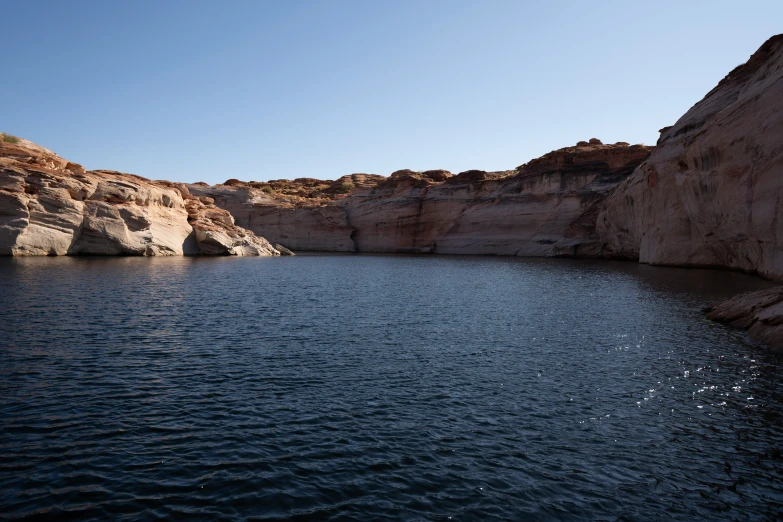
708,195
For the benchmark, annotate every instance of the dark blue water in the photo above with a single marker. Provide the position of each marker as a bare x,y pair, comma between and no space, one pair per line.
380,387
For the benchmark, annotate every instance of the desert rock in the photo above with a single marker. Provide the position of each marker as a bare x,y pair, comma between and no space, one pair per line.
50,206
760,313
545,207
712,192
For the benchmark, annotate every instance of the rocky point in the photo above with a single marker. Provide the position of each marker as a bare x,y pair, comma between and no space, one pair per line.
51,206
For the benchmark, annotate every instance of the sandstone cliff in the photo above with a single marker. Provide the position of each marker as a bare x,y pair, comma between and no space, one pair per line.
50,206
711,194
545,207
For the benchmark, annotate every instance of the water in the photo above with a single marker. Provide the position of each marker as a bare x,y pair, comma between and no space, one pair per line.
380,387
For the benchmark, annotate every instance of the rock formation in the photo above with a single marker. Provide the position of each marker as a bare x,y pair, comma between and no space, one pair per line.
50,206
317,226
760,313
545,207
712,192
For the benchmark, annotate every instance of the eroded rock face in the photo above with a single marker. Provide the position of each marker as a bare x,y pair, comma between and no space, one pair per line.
524,212
760,313
319,226
546,207
711,193
216,233
50,206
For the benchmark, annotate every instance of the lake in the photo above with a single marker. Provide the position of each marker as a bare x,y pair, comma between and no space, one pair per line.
366,387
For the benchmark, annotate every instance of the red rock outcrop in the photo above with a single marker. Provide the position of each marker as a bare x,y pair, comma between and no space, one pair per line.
546,207
50,206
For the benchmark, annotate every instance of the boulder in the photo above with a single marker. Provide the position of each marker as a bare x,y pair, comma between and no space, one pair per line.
760,313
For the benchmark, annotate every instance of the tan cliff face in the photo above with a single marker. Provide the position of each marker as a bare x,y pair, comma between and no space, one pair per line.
50,206
712,192
313,226
546,207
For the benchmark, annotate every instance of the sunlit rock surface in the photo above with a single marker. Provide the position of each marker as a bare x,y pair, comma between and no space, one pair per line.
546,207
710,194
50,206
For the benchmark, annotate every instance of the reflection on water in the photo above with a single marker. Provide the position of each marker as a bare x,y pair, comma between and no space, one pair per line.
363,387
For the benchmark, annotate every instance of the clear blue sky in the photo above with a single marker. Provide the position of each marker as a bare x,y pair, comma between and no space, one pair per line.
206,91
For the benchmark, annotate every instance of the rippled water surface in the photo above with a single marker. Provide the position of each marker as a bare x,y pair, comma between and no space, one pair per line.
380,387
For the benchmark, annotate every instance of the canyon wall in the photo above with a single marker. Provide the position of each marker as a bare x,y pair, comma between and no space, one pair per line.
711,193
303,227
50,206
708,195
543,208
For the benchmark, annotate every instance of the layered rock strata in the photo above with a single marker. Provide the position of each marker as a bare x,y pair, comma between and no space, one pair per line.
545,207
50,206
712,192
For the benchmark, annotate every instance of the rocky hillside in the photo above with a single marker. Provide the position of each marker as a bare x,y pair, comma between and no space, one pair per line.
51,206
545,207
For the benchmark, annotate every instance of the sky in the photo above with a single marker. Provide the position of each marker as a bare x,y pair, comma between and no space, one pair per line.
257,90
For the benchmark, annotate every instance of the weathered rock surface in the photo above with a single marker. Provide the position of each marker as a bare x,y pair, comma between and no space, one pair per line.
217,234
50,206
711,194
546,207
320,226
283,250
760,313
